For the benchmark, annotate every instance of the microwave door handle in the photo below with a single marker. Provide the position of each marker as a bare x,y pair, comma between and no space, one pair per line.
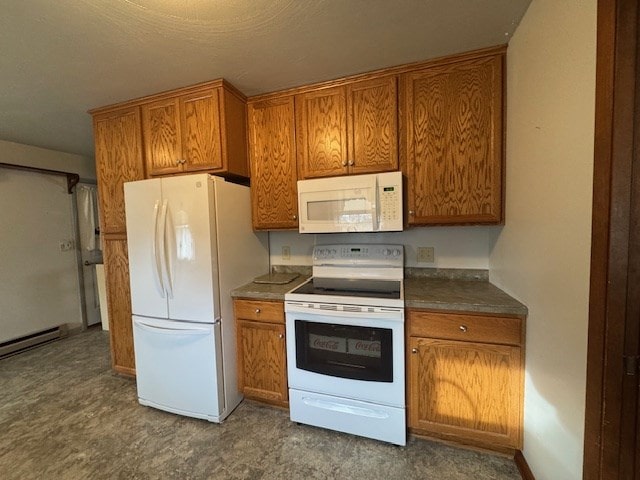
376,199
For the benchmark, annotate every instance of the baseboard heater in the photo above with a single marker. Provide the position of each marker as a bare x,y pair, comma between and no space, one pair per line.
29,341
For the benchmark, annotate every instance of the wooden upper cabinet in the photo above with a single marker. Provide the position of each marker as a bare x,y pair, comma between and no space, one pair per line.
348,129
118,150
272,152
453,129
373,125
321,121
201,131
183,134
161,125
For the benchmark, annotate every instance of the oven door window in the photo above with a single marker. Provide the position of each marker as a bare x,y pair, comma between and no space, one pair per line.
359,353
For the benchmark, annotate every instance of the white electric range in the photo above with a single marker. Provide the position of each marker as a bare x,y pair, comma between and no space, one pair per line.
345,342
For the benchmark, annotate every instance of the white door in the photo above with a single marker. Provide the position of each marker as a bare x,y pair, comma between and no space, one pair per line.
191,245
179,367
146,213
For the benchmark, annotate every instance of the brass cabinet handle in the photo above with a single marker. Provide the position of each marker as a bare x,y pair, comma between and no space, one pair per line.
344,163
414,350
463,328
281,336
351,163
257,310
410,212
295,217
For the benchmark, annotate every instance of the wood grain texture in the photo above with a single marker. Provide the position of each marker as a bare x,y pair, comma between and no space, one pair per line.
260,311
233,124
373,125
465,391
262,362
454,122
374,74
476,328
272,153
162,137
116,264
118,142
321,124
200,127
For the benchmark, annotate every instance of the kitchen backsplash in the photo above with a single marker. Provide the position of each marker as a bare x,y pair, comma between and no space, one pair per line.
454,247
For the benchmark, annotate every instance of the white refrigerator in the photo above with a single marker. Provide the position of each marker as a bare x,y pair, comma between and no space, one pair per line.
190,242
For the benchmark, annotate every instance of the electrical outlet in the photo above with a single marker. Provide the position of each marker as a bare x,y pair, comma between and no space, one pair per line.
66,245
426,255
286,252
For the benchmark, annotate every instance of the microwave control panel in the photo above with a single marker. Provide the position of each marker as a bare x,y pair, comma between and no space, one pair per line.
390,198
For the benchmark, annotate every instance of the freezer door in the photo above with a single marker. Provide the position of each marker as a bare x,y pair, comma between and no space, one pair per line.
192,273
144,213
179,367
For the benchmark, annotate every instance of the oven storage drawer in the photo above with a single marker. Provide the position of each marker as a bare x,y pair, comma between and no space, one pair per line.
260,311
467,327
380,422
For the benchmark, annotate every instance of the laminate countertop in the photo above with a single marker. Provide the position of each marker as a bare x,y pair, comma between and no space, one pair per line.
445,290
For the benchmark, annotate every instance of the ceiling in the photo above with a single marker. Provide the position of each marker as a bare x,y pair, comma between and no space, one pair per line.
58,59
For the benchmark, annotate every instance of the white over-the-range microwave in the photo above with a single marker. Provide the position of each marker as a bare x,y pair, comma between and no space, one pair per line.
355,203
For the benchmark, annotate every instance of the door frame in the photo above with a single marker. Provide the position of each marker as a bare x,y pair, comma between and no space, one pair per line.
611,396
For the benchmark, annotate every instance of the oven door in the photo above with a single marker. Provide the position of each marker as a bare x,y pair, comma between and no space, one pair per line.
358,355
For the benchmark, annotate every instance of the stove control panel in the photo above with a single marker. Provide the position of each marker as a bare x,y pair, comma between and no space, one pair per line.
361,254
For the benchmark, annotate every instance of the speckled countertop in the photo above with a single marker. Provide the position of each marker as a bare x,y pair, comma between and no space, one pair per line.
265,291
434,289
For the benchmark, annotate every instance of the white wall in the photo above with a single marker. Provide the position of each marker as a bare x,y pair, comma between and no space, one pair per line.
17,153
541,256
454,247
36,214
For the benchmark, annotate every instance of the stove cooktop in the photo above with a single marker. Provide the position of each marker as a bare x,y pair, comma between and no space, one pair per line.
350,287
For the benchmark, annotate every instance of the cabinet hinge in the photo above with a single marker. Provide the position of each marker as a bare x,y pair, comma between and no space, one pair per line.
631,364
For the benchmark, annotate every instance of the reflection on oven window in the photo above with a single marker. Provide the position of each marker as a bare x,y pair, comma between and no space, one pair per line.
352,346
324,342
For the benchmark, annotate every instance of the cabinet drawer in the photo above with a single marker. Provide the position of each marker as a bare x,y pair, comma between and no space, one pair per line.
272,312
473,328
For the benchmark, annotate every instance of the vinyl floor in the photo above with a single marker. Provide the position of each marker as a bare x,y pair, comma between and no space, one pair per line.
64,414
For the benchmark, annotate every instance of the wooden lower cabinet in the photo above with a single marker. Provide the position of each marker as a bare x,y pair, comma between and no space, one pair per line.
462,384
262,355
116,265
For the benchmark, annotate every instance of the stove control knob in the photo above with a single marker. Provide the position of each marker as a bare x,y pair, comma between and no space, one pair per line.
386,252
396,252
333,251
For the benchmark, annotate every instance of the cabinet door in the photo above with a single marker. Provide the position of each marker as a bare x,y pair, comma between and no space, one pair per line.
118,140
272,150
161,128
116,267
465,391
262,361
373,125
454,142
200,125
321,120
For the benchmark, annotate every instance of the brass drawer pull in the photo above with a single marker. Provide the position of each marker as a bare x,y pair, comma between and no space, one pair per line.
414,350
257,310
463,328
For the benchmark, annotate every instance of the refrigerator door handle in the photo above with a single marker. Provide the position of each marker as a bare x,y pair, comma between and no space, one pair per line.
156,255
169,247
189,330
162,247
